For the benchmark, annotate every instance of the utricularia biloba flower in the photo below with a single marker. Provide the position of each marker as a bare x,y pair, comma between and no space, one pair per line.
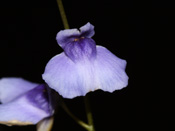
83,66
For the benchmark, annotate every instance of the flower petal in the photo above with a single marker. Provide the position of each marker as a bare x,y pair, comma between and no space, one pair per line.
69,35
82,49
87,30
10,88
65,36
27,109
69,79
110,71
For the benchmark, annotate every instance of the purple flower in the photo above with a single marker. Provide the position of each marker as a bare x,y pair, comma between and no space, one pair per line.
23,102
83,66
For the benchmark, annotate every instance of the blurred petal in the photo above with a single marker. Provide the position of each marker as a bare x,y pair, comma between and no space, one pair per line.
30,108
110,71
10,88
46,124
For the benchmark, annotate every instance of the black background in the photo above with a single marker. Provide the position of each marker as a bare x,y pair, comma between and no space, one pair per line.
139,32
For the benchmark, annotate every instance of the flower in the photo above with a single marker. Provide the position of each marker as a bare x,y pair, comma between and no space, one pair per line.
24,102
83,66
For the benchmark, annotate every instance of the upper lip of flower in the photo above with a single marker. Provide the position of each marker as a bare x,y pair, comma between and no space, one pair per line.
65,36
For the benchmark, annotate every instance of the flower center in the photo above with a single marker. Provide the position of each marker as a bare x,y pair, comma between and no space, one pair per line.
81,48
77,39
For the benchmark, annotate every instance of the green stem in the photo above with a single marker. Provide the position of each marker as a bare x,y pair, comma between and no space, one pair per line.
63,14
81,123
89,113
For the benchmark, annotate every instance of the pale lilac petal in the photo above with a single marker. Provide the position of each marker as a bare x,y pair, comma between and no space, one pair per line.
110,71
87,30
12,87
30,108
69,79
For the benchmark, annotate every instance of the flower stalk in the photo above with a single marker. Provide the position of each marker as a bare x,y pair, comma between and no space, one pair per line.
62,13
78,121
89,113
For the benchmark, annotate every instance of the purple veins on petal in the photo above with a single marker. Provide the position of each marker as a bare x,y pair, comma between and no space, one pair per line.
39,98
84,48
83,66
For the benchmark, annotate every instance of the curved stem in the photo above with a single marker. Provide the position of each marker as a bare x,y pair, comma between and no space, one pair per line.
89,113
81,123
63,14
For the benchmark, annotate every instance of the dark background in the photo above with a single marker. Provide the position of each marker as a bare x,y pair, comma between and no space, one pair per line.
139,32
